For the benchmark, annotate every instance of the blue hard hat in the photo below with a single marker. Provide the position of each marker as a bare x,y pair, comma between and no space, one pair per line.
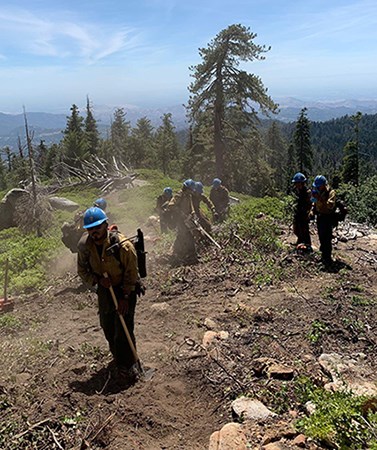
299,178
189,183
101,203
168,191
216,182
319,181
199,187
93,217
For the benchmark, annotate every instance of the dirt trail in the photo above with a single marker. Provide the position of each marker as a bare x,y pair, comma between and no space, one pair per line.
55,362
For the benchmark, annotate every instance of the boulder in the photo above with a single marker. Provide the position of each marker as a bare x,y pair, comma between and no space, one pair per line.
250,409
230,437
8,206
210,336
12,197
63,204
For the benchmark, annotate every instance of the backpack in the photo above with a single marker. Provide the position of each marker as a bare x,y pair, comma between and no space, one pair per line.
138,242
340,212
71,236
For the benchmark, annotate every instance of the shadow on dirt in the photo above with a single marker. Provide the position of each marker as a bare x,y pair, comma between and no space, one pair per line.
336,266
100,383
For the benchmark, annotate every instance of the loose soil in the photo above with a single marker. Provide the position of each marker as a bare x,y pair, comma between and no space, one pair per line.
55,390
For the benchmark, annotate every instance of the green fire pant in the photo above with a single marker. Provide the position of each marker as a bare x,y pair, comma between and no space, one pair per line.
112,327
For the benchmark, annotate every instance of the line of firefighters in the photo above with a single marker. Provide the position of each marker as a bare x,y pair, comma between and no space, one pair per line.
109,260
182,212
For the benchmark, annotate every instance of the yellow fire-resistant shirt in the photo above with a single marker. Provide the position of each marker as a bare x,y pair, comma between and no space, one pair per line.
182,201
326,201
91,267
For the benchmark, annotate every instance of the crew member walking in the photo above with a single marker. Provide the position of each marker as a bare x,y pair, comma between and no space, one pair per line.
302,211
324,205
92,263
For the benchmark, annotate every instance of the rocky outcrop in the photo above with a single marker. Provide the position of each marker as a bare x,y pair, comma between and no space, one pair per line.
8,206
348,373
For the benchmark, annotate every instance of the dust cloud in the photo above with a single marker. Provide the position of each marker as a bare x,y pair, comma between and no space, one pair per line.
65,263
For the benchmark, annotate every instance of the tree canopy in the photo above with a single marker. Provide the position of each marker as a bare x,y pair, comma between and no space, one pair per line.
222,93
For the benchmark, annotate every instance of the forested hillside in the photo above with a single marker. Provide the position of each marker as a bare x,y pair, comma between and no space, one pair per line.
329,139
231,135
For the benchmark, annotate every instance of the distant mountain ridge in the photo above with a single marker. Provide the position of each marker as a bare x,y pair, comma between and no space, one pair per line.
321,111
49,126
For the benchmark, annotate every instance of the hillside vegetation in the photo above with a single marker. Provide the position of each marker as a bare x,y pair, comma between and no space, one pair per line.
275,306
254,320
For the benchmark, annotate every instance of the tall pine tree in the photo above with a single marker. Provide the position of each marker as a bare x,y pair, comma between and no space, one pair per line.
302,143
219,84
142,147
167,147
92,137
120,136
74,145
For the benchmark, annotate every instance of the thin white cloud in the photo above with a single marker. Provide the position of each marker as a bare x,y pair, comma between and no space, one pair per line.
349,23
22,31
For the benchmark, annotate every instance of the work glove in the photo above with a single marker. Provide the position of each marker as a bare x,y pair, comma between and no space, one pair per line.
123,305
140,288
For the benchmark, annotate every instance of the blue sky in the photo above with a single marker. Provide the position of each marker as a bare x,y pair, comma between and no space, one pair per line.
137,52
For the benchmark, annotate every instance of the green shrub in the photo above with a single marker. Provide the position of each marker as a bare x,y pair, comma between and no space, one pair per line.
252,236
317,330
9,323
341,419
361,201
27,255
257,220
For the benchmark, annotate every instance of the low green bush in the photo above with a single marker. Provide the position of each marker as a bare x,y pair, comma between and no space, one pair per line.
361,201
257,220
340,420
252,237
27,255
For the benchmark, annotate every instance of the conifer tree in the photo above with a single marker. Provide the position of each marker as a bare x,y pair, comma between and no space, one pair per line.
41,152
291,167
51,166
302,142
120,133
350,172
3,180
166,144
142,143
8,156
92,137
351,163
74,139
219,84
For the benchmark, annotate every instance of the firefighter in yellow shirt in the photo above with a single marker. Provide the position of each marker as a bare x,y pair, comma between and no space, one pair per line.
93,262
184,249
324,198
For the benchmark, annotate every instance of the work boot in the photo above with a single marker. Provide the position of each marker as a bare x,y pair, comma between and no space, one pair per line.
126,376
328,264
